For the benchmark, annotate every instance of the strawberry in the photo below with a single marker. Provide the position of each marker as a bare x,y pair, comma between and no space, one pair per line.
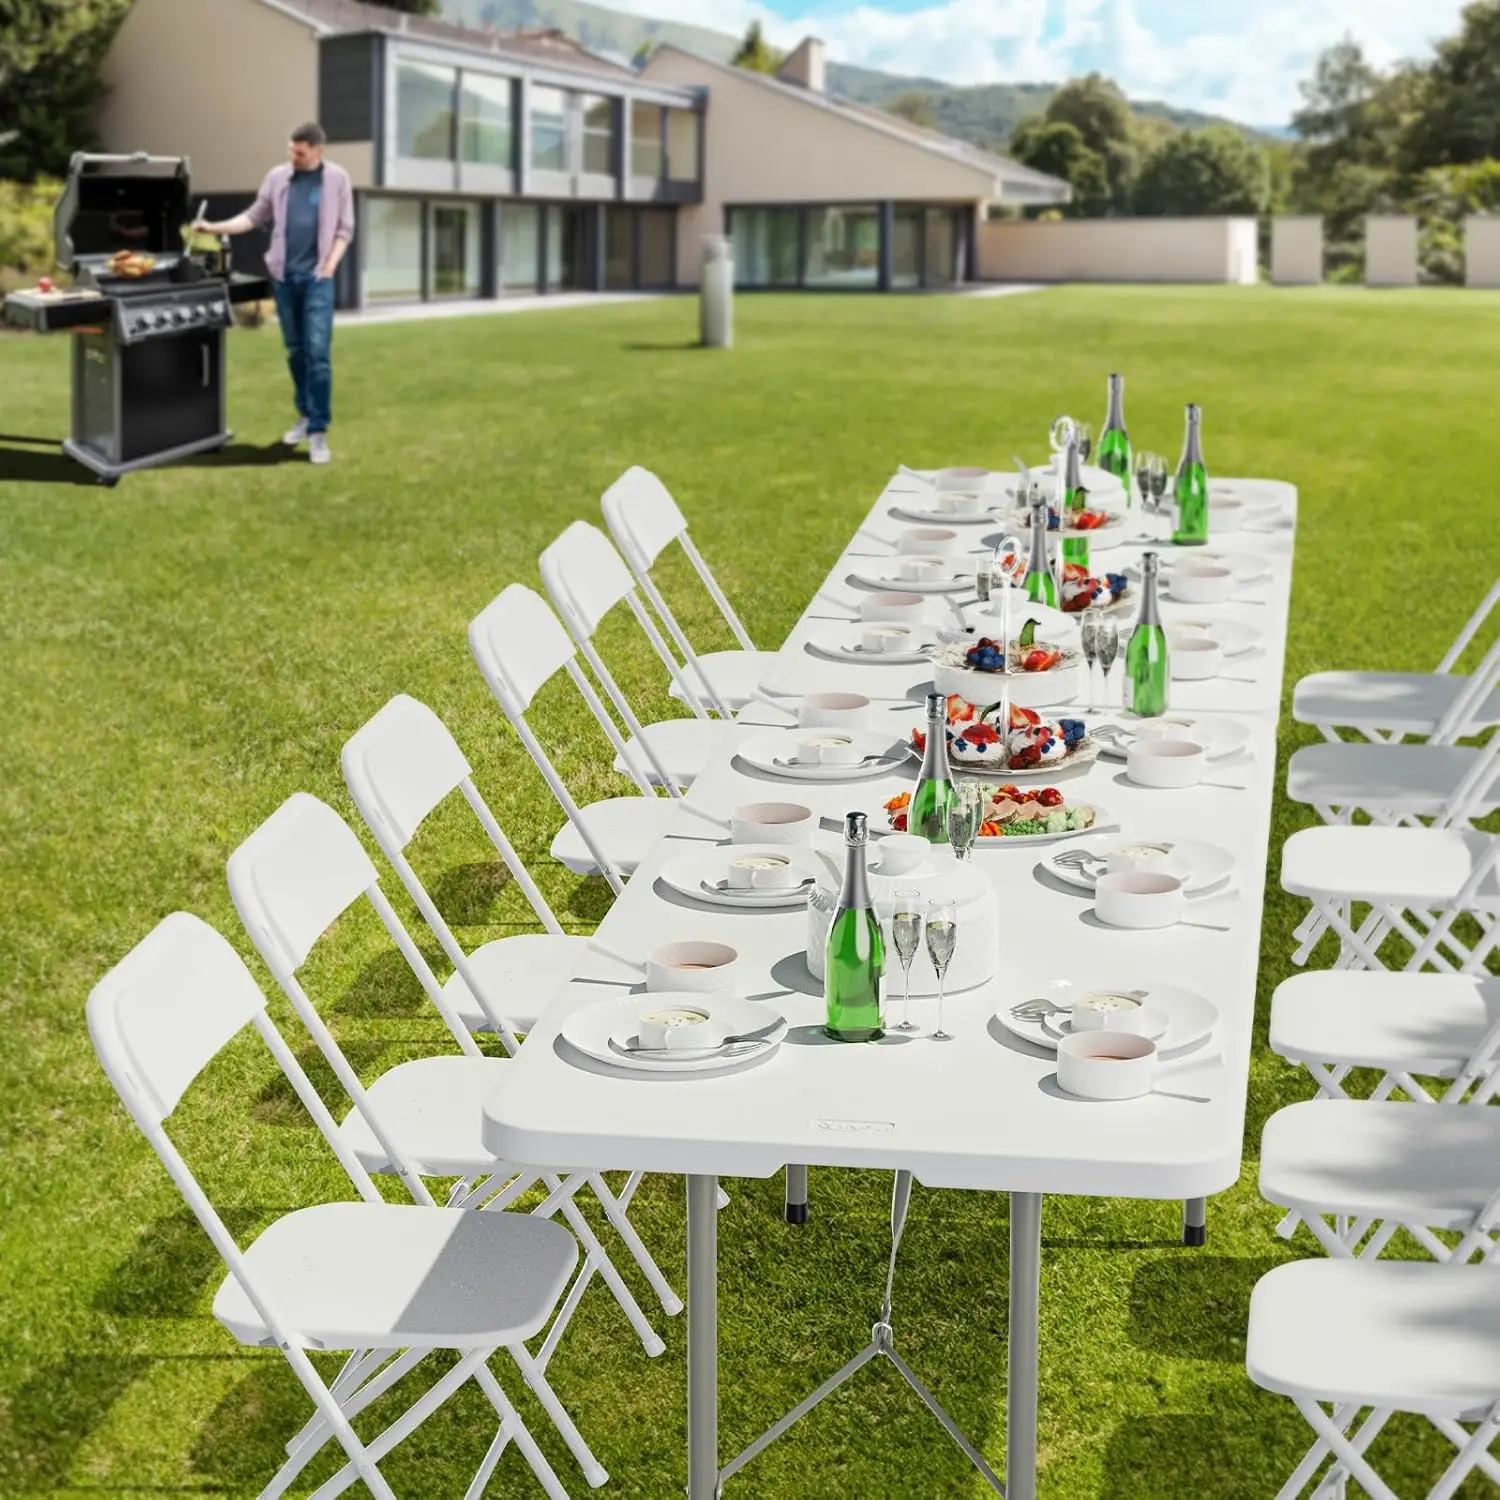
1049,796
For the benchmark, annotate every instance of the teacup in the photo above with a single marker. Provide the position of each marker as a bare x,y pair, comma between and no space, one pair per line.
922,569
828,750
833,711
772,823
1151,858
1107,1011
901,853
958,503
1195,657
676,1026
1166,763
1202,583
1106,1065
882,638
927,541
1138,899
905,609
761,871
710,967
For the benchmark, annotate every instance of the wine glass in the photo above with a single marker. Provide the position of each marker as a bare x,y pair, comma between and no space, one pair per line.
1063,431
1107,648
942,935
906,937
964,817
1159,472
1084,433
1143,462
1089,627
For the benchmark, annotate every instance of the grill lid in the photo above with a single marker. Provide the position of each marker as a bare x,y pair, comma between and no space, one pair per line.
112,203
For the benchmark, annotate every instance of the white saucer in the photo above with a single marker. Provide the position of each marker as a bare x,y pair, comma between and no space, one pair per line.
1233,635
774,753
1207,864
1154,1025
697,874
982,517
842,644
1190,1017
607,1029
955,581
1219,736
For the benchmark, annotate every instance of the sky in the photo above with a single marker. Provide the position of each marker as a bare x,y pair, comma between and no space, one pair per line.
1240,58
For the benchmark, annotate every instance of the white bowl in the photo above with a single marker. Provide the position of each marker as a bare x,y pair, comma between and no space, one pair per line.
1138,899
834,711
1143,858
903,609
705,967
772,823
882,637
760,870
1166,762
1202,583
923,569
1224,516
1106,1011
927,541
677,1026
901,853
1106,1065
959,503
828,749
1194,657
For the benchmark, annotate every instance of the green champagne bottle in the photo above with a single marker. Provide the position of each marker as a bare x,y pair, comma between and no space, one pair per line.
854,959
1075,498
1191,491
1148,667
1114,441
1040,583
928,814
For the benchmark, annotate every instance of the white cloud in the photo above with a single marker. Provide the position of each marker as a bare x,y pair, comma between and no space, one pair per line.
1223,56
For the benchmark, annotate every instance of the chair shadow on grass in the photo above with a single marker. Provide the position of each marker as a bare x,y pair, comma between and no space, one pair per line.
172,1264
53,1415
1194,1306
467,894
278,1104
590,899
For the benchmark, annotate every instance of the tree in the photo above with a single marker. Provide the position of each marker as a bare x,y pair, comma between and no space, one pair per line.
1460,116
1210,171
915,106
50,56
1102,115
756,53
1058,148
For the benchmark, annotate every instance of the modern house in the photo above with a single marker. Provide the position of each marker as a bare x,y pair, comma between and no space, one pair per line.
498,163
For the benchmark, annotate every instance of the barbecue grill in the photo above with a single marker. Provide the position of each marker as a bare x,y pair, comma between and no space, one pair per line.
148,349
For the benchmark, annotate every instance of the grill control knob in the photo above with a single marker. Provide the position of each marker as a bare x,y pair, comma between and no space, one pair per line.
179,315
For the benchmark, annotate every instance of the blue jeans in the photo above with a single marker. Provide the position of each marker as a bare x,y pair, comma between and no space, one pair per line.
305,309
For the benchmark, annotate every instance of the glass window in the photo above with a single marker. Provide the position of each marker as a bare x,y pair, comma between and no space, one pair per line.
598,134
658,265
619,245
843,246
453,249
906,247
549,129
424,111
765,246
942,266
485,120
565,247
520,245
390,240
682,145
645,140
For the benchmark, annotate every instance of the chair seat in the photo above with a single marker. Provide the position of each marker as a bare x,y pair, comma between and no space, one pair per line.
1386,702
625,828
735,675
683,746
1418,1023
1408,1335
392,1276
1434,1166
1415,780
433,1110
1410,867
1427,1024
520,973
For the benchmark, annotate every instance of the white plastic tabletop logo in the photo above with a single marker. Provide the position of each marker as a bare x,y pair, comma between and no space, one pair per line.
853,1125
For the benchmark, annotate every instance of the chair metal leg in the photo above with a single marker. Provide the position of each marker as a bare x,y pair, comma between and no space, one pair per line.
1195,1222
795,1209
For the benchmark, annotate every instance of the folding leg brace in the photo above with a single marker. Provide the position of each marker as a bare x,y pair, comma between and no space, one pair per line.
882,1344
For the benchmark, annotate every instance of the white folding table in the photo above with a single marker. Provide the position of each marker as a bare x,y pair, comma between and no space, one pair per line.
982,1112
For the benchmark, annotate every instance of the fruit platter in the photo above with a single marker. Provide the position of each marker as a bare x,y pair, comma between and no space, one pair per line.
1035,672
1016,815
1081,589
1102,528
1030,746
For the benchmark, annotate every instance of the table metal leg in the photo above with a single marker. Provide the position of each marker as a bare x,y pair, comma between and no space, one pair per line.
795,1210
703,1337
1195,1222
1025,1335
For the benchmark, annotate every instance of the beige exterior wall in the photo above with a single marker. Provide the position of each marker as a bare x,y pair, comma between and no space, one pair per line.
1297,250
226,84
1118,250
1390,250
1482,251
357,158
765,145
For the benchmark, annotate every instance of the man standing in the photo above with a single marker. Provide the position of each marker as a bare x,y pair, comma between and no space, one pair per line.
309,205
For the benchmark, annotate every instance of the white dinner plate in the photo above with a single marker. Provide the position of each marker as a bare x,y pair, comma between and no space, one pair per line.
924,517
953,581
1247,567
702,875
1233,635
775,752
1207,865
842,643
607,1029
1190,1017
1218,736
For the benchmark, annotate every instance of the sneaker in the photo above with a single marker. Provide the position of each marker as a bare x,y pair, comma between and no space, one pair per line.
317,448
297,434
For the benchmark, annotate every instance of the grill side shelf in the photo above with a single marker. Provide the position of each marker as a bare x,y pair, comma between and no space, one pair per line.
56,314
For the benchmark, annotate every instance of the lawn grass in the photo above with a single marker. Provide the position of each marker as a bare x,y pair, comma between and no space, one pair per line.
184,651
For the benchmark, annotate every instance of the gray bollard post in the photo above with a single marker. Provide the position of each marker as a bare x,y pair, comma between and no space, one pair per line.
716,293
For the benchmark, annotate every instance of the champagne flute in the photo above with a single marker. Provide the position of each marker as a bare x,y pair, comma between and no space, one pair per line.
1143,462
963,817
1159,472
1084,433
942,935
906,937
1107,647
1089,627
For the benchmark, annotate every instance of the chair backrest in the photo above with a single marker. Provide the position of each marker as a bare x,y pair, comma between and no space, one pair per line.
519,645
1472,626
642,517
584,576
1484,680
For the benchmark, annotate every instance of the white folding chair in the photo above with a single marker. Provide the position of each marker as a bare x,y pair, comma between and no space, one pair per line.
1342,1338
644,520
389,1282
1388,706
585,579
519,646
290,880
